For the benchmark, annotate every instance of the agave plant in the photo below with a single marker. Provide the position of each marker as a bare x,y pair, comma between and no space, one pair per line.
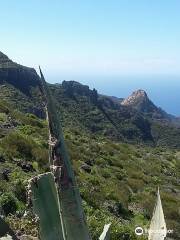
72,216
46,206
55,196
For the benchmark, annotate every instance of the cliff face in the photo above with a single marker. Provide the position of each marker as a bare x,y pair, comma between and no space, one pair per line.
138,97
140,101
21,86
4,59
23,78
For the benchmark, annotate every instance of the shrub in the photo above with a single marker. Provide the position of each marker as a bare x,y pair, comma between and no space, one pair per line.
20,191
17,145
8,203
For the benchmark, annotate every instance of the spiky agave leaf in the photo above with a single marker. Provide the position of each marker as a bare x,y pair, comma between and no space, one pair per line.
72,215
106,232
46,206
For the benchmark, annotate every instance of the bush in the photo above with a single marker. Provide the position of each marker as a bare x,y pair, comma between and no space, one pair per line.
20,191
17,145
3,107
8,203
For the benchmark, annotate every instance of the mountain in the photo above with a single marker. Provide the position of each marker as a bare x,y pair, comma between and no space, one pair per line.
21,77
120,153
140,101
99,114
21,86
135,119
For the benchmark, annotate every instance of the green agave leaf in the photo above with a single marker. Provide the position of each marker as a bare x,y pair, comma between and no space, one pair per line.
72,216
46,206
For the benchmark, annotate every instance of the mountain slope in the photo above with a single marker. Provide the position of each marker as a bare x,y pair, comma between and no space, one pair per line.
117,180
21,77
21,86
139,100
141,122
135,119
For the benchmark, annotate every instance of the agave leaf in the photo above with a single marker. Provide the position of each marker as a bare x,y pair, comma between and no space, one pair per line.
72,215
46,206
106,232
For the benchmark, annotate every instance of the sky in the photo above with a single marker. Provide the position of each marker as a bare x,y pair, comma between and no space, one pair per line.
115,46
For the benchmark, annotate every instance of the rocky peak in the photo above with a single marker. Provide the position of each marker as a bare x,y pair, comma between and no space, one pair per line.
135,98
21,77
73,88
4,58
139,100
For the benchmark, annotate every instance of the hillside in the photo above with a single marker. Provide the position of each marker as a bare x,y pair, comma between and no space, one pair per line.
140,101
141,122
119,153
21,86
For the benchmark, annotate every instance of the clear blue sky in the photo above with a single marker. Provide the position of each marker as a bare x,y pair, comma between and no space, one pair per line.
115,46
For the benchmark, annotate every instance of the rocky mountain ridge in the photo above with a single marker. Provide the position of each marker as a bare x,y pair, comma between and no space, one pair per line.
141,102
136,96
21,77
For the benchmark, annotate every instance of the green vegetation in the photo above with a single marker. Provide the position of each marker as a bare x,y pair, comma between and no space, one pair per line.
23,153
48,215
120,181
118,155
117,181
